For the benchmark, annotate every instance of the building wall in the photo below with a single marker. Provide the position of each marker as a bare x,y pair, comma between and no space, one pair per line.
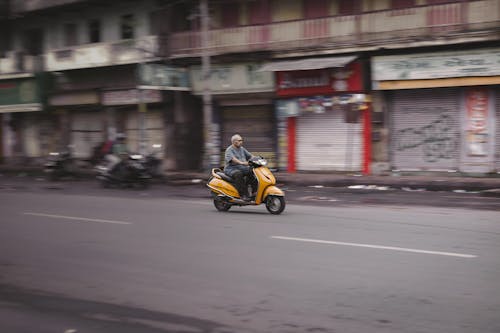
109,16
286,10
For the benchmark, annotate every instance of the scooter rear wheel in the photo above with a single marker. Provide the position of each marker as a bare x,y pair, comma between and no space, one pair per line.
275,204
221,205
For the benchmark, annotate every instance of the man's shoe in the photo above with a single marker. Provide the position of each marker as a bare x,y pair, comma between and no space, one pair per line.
245,198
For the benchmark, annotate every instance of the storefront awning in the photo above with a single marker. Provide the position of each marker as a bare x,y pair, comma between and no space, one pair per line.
306,64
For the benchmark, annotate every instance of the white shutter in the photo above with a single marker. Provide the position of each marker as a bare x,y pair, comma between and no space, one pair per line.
425,129
325,141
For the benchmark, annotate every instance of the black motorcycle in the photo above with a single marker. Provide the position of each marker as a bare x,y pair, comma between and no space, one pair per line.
59,165
128,173
153,163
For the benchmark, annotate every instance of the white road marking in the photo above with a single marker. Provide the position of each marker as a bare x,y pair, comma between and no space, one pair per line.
81,219
451,254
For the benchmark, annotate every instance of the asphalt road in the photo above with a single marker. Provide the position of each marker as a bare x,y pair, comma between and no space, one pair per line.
97,260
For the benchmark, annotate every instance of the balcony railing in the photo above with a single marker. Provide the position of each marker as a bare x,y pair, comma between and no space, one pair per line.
417,24
23,6
18,63
103,54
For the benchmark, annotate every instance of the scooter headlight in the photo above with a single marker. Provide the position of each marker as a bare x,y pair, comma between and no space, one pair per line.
262,162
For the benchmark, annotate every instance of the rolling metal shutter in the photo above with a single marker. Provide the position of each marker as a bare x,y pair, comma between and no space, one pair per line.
256,124
154,130
425,129
326,142
86,132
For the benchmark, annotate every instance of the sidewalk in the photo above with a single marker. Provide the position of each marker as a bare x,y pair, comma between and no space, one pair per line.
431,182
489,186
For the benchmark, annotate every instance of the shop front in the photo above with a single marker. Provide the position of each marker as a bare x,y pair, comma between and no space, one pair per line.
80,121
323,115
443,110
139,115
25,131
243,100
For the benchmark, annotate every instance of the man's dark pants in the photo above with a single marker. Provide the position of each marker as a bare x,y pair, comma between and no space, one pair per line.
238,173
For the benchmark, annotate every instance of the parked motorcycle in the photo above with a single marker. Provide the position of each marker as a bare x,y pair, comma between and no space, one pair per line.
59,165
128,173
153,163
226,195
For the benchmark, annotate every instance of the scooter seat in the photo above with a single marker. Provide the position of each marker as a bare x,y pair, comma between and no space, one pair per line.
224,176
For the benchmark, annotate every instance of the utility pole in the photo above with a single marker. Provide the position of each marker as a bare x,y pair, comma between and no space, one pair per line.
141,108
210,153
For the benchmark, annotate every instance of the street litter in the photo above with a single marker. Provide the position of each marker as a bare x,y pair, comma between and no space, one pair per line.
317,186
195,181
369,187
316,198
464,191
414,189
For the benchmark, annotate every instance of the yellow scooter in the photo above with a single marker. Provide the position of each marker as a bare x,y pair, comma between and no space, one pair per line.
226,195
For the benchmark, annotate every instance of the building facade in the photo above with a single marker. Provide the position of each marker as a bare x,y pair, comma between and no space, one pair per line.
384,85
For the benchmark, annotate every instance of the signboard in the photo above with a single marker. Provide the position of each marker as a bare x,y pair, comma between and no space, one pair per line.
131,96
320,81
484,62
233,78
319,104
476,121
20,95
19,92
74,98
162,77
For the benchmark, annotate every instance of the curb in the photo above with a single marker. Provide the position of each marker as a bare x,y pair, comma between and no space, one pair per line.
489,187
493,193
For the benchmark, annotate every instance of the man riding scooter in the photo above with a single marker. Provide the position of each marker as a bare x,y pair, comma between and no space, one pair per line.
229,186
236,165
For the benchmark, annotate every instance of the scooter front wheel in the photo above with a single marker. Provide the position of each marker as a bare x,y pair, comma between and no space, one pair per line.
221,205
275,204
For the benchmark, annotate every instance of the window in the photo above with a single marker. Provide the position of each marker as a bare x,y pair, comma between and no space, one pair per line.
259,12
349,7
401,4
230,14
180,17
70,34
316,8
437,2
5,43
94,31
127,26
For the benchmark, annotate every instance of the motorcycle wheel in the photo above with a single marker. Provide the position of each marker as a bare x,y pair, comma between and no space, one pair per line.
221,205
104,183
275,204
144,184
53,176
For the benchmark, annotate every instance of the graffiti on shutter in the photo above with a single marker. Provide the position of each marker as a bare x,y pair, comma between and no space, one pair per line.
425,130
